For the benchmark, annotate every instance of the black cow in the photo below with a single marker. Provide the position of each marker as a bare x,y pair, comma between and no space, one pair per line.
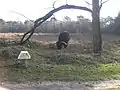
63,39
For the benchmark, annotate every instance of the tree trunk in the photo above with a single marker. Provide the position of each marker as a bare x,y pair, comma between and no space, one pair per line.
97,38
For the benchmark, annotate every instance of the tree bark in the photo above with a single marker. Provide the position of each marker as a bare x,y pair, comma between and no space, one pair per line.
97,38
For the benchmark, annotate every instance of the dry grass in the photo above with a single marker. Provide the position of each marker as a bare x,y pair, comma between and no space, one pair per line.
10,35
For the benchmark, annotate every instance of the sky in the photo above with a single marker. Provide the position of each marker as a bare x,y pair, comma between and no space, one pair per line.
34,9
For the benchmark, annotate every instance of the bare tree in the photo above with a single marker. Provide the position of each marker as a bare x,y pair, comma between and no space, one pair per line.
39,21
97,38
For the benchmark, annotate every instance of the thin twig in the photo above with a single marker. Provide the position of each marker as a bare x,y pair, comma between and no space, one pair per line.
87,2
21,15
102,3
54,4
66,2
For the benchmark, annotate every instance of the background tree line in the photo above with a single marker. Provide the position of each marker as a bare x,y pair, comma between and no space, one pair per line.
81,25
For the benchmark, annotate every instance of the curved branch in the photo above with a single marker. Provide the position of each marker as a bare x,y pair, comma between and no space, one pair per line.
54,4
63,7
39,21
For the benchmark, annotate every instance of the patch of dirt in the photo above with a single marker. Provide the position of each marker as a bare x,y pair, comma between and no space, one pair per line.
93,85
53,36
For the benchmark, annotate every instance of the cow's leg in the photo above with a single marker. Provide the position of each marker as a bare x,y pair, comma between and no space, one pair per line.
59,45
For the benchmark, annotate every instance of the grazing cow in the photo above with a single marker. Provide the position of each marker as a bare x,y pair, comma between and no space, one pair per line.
63,39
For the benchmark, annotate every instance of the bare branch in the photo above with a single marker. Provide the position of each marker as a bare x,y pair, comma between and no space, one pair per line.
54,4
39,21
102,3
48,8
105,1
87,2
20,14
66,1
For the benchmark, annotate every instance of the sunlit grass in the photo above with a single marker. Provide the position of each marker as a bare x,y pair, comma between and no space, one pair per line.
112,89
66,73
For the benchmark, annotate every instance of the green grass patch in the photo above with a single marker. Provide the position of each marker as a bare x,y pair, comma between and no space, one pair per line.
112,89
71,64
65,73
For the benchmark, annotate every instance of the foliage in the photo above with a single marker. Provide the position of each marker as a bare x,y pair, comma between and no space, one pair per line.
108,25
112,25
51,26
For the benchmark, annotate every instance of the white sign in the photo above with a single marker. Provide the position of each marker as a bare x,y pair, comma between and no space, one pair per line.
24,55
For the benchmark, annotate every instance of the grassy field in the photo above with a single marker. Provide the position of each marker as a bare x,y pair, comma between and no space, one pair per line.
75,63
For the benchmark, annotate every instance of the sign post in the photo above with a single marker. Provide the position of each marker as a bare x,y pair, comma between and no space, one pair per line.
23,58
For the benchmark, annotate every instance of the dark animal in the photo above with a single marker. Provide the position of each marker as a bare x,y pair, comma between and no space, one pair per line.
63,39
